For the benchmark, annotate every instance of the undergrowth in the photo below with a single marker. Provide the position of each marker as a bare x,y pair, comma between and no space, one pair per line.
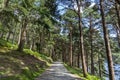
26,65
78,72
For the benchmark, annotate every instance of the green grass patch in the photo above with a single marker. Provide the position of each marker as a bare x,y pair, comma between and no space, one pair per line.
75,71
38,55
91,77
20,66
4,43
15,65
78,72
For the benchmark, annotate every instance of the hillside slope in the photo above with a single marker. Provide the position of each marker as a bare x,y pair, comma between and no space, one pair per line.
16,65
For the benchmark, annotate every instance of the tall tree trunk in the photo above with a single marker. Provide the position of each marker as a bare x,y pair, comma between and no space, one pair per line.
118,12
14,32
99,63
32,44
19,36
84,68
117,6
23,36
71,54
118,1
91,47
42,40
78,60
118,36
9,33
107,44
6,2
27,39
65,55
1,34
87,59
117,28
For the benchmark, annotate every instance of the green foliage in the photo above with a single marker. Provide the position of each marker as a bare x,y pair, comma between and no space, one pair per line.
116,57
70,16
7,16
52,6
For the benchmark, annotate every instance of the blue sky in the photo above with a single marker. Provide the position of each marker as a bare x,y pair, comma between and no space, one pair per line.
61,6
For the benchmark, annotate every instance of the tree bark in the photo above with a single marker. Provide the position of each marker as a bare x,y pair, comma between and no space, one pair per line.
84,68
118,12
14,32
19,36
107,44
1,34
6,2
118,33
91,47
8,37
63,53
23,36
99,63
71,54
118,36
78,60
87,59
118,1
32,44
118,16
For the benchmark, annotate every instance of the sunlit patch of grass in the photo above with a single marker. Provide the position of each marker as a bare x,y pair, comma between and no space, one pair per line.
16,65
20,66
39,56
7,45
78,71
4,49
75,71
91,77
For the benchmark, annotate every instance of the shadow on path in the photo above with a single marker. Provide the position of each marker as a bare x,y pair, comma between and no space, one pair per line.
57,71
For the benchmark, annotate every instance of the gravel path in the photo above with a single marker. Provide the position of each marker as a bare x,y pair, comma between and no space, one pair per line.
57,72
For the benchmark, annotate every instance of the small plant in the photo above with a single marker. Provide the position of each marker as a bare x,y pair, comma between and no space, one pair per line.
90,77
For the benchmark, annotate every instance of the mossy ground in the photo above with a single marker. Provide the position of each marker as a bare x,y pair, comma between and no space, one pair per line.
26,65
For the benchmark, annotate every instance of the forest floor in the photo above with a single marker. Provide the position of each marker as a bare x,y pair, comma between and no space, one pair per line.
26,65
57,71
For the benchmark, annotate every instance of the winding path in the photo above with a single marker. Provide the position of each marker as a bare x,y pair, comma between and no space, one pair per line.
57,71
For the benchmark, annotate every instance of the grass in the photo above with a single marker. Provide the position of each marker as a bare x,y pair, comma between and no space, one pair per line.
16,65
78,72
39,56
6,44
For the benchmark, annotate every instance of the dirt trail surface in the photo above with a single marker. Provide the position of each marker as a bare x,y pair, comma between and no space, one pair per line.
57,71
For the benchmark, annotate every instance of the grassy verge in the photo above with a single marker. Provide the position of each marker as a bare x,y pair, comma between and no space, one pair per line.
78,72
16,65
